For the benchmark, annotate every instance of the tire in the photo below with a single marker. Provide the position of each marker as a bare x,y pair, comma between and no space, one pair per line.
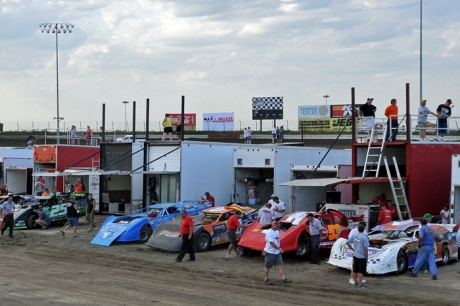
445,255
145,233
401,262
303,248
203,242
30,221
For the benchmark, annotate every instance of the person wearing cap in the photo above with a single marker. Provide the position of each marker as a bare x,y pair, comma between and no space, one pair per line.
392,124
367,111
266,214
315,231
273,253
279,208
428,217
426,250
72,217
444,111
422,120
253,194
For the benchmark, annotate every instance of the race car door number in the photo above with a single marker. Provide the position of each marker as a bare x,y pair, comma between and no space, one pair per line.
58,210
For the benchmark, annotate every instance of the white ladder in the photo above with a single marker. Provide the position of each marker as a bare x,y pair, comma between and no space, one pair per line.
374,155
397,188
95,164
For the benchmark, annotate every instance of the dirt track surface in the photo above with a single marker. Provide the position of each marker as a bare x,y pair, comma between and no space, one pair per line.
44,268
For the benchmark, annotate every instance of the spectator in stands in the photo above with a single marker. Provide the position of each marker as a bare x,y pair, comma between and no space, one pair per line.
444,111
422,120
89,135
73,134
392,124
367,111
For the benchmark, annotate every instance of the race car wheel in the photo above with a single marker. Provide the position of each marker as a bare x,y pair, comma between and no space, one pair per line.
401,262
445,255
303,248
30,221
203,242
145,233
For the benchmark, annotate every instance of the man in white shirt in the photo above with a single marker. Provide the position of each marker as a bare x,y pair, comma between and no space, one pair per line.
273,134
265,214
278,208
273,253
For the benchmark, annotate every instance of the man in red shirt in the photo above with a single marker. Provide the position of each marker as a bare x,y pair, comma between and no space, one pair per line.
210,198
384,215
393,209
186,232
232,225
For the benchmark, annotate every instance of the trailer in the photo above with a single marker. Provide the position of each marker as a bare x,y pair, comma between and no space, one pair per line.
455,189
18,174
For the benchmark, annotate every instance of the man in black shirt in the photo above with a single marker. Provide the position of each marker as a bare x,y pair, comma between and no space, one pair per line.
444,111
368,112
90,211
72,217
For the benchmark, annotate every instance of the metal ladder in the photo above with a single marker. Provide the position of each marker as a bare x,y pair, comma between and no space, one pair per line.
374,154
397,188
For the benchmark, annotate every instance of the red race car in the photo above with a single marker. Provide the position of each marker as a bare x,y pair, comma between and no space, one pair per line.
294,234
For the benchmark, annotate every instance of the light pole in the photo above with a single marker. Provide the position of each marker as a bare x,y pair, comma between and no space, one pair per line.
421,97
326,96
126,122
57,28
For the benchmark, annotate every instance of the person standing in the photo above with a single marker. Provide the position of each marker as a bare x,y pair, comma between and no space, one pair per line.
186,232
232,226
8,216
367,111
179,128
393,209
78,186
344,227
444,111
167,127
351,235
39,187
4,190
274,134
384,214
426,250
90,211
266,215
253,194
245,135
72,217
30,141
89,135
73,134
391,112
43,219
273,253
422,119
278,208
360,244
280,134
315,232
458,242
445,215
249,133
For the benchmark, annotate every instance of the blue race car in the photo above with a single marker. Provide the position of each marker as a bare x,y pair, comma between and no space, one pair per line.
140,226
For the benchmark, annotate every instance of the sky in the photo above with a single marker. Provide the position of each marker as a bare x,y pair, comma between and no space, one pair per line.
220,54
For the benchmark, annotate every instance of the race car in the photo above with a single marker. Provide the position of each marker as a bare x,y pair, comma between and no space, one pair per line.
393,247
139,226
54,206
295,232
210,229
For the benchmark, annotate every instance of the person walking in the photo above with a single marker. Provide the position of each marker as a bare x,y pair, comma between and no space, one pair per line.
273,253
8,216
186,232
43,219
232,226
391,112
90,211
443,111
359,244
426,250
315,232
72,217
167,127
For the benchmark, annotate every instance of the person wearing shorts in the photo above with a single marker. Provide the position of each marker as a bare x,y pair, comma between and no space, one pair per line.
72,217
273,253
422,119
359,244
249,133
167,125
232,226
443,111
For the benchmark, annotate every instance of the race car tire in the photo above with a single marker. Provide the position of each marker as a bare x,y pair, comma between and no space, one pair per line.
145,233
30,221
303,248
401,262
445,255
203,242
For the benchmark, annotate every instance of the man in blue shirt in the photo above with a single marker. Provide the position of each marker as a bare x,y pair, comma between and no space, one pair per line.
8,216
315,232
426,250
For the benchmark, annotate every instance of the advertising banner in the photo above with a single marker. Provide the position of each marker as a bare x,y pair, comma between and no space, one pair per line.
343,110
325,124
314,111
218,121
189,120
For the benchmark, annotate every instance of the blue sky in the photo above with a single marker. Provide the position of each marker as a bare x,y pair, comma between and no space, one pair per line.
220,54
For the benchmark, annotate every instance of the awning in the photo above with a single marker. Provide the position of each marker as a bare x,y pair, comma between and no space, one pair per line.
322,182
155,172
80,172
54,173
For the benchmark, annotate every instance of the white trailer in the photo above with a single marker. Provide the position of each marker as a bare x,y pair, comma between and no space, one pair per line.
455,189
18,174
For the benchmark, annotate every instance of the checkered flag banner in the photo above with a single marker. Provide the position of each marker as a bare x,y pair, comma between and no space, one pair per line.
267,108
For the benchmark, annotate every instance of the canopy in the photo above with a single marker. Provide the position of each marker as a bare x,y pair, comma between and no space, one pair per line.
322,182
